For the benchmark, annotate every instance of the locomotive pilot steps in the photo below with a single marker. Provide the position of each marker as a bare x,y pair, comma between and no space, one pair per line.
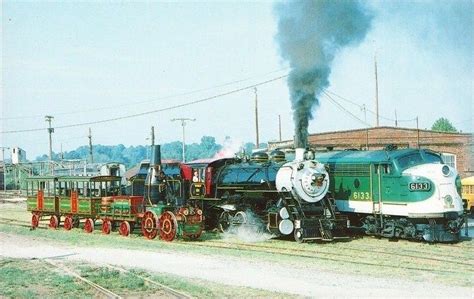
407,193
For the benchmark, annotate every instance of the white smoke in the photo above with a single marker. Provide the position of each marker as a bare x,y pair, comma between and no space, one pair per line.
253,231
229,149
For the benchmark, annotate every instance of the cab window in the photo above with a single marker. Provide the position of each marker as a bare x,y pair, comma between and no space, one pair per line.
383,169
410,160
432,158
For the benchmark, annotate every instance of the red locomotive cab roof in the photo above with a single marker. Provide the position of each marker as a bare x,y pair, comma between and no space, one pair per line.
186,168
205,162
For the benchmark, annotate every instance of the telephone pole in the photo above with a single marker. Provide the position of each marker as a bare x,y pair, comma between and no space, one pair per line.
279,126
376,92
183,124
256,118
417,133
90,146
4,168
396,118
365,112
49,118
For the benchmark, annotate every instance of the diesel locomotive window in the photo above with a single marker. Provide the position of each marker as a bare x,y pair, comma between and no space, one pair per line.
383,169
432,158
410,160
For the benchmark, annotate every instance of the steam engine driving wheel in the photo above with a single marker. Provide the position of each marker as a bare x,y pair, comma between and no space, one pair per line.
168,226
150,225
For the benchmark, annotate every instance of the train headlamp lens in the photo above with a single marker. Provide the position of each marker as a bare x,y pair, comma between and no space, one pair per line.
445,170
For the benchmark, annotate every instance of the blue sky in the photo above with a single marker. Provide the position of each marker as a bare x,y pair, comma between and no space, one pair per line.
69,59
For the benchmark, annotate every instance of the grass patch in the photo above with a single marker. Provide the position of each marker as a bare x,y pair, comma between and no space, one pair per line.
22,278
32,278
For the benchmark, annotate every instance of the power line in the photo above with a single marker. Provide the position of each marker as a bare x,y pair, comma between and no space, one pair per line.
372,112
152,111
345,110
147,101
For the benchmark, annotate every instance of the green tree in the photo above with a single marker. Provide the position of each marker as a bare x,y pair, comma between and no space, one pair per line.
443,125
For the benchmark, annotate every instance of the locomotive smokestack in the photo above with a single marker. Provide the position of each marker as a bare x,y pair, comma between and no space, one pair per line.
153,177
310,33
299,154
155,156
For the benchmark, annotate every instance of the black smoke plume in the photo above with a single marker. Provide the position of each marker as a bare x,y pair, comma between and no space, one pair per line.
310,33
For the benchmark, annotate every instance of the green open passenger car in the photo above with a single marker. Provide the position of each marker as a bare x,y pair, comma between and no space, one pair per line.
73,197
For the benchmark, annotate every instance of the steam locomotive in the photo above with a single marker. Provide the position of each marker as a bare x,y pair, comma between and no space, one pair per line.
266,191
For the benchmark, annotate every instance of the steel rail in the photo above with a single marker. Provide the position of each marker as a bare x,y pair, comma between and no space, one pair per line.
334,259
349,255
108,293
167,289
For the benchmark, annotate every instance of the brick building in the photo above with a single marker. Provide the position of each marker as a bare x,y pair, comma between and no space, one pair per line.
457,149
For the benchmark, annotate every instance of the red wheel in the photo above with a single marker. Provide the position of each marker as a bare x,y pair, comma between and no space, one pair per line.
35,221
124,228
68,223
168,226
106,226
89,225
54,222
150,225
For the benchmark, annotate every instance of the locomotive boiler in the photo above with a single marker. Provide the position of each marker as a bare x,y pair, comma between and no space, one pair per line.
268,193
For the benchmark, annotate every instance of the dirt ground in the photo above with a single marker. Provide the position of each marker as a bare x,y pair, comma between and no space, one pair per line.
305,281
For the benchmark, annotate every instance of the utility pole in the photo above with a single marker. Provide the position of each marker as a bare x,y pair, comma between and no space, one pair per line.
365,112
183,124
256,118
417,132
49,118
4,168
90,146
396,119
279,126
376,92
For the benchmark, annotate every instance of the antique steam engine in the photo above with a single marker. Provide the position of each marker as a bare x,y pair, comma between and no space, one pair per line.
271,194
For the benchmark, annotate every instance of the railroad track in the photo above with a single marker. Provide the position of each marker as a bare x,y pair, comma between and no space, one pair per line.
330,256
315,251
170,291
292,252
100,289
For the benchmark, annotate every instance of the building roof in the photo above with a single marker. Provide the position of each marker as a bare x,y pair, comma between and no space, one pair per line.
372,129
351,156
391,128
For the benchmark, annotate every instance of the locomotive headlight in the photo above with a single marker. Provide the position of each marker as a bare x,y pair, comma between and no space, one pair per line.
448,201
445,170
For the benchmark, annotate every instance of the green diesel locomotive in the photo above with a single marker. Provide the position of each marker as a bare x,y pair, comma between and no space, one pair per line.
407,193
